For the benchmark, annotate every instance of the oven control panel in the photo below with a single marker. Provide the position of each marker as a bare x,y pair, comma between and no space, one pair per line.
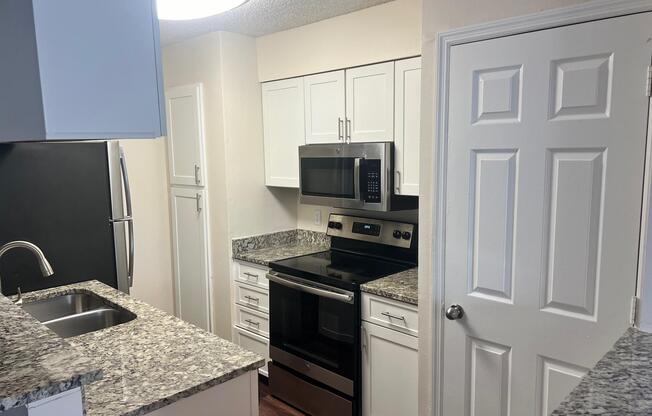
367,229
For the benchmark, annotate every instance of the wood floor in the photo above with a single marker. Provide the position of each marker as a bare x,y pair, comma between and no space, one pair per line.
270,406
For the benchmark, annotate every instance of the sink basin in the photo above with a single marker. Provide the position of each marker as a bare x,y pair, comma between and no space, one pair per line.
77,313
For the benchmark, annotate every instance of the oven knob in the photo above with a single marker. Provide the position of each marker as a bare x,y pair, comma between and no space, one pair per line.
406,235
397,234
331,224
338,225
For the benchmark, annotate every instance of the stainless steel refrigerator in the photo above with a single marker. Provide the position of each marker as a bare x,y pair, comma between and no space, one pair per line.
73,201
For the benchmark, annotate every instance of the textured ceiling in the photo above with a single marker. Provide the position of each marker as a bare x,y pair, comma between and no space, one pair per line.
261,17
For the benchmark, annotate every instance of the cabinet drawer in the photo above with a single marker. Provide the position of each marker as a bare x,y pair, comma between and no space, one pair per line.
252,320
252,342
251,296
391,314
252,275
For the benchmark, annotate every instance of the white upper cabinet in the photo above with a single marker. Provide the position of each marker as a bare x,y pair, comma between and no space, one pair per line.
324,104
370,103
408,129
80,70
186,135
284,131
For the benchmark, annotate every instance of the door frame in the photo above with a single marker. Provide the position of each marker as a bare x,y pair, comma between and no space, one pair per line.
586,12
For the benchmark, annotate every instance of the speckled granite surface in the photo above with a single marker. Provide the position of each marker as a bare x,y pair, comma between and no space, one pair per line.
620,384
403,287
34,362
263,249
152,361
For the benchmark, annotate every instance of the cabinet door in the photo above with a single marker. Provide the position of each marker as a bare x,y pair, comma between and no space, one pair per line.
370,103
253,342
324,107
284,132
407,110
389,372
186,135
100,68
190,255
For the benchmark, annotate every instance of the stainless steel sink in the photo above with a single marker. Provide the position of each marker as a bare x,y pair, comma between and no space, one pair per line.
77,313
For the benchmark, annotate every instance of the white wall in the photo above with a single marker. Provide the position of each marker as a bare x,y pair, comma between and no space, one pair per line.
439,16
380,33
146,162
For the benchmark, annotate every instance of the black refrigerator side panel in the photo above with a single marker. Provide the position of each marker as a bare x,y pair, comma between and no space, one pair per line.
57,196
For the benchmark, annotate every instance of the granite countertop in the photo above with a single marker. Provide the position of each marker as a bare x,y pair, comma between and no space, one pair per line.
150,362
266,248
620,383
403,287
34,362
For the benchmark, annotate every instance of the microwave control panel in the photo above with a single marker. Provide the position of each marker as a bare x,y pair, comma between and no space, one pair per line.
371,183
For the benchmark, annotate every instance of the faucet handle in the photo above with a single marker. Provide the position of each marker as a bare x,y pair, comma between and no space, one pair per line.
19,299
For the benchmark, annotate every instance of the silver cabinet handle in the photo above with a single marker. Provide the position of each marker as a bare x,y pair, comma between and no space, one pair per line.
254,323
340,128
129,217
254,276
348,130
199,205
390,316
252,299
397,178
364,339
197,175
314,289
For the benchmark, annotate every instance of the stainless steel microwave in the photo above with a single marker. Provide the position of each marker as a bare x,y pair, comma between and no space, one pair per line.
353,175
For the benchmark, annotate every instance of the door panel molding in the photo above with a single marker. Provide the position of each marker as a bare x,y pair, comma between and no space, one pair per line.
431,344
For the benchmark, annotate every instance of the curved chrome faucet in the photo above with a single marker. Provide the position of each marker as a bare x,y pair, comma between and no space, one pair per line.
44,264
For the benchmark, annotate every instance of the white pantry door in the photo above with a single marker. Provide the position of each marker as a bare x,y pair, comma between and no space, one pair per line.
185,135
546,145
190,246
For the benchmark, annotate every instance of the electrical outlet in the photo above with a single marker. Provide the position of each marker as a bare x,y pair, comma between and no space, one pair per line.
317,217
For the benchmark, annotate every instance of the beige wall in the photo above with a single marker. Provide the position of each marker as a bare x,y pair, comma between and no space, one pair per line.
253,208
439,16
239,203
146,160
388,31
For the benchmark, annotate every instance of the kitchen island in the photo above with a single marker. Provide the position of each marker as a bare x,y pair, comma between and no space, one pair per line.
152,363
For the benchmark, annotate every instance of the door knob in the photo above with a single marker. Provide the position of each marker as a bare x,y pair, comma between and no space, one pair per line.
454,312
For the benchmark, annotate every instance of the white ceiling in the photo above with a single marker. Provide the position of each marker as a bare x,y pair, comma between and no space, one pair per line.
261,17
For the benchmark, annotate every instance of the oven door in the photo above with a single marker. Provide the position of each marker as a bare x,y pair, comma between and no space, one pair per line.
346,176
313,330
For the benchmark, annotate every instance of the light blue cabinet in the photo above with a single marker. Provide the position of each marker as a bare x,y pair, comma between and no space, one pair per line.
80,69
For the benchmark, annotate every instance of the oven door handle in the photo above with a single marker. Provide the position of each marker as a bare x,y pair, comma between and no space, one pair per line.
343,296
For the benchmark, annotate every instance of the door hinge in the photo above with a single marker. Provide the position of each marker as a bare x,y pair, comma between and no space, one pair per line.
633,313
648,83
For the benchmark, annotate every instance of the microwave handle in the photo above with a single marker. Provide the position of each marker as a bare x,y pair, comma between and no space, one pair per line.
356,178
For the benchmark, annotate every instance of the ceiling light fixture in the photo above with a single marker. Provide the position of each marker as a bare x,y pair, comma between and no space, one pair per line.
193,9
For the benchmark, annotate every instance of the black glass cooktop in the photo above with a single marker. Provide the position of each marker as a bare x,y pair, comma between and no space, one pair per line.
338,268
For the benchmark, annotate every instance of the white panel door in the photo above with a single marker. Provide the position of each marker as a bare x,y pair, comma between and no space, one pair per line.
407,110
324,101
390,372
370,103
185,135
284,132
546,143
190,246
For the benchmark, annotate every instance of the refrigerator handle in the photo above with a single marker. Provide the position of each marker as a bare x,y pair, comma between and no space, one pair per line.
129,217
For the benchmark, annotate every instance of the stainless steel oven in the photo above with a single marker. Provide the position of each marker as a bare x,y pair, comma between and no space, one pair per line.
353,175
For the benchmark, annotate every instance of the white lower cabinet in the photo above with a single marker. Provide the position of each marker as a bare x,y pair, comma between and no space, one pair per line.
251,309
69,403
390,363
